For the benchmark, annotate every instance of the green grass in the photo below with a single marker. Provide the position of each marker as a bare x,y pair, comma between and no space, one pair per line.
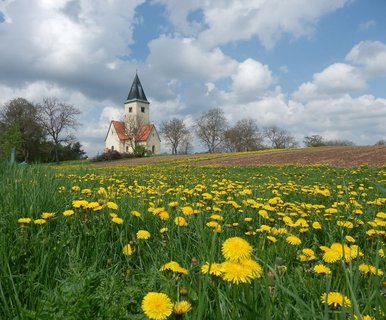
73,267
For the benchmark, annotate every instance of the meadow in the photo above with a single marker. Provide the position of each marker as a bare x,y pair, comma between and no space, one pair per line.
178,241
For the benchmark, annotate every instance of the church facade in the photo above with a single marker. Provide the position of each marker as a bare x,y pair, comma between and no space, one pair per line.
135,129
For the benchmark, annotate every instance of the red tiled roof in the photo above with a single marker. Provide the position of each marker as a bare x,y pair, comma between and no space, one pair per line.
120,129
144,132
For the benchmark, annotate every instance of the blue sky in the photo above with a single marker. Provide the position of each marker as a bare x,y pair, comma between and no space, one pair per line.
308,66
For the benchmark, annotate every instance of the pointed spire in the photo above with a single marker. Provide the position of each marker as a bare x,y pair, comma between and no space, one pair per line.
136,91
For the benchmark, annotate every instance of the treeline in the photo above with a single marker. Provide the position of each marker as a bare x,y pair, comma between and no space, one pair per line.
216,135
39,132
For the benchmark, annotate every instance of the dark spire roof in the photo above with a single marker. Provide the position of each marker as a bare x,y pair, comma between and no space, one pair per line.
136,91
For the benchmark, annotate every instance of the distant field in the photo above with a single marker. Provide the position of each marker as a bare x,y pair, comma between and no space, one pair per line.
373,156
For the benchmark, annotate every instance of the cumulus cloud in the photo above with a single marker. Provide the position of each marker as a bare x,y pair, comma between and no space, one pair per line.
251,77
337,79
371,55
183,58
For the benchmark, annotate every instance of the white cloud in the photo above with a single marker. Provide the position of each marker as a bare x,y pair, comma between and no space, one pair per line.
266,19
182,58
251,78
337,79
366,25
371,55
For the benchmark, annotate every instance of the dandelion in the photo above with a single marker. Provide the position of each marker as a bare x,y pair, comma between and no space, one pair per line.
79,203
47,215
40,221
117,220
157,306
213,269
112,205
236,273
127,250
331,256
350,239
316,225
187,210
181,222
135,213
322,269
369,269
24,220
253,266
164,215
173,204
68,213
293,240
335,300
143,234
182,307
236,249
174,267
163,230
271,238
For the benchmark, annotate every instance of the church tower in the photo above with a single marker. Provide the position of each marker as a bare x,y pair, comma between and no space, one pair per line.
136,129
136,104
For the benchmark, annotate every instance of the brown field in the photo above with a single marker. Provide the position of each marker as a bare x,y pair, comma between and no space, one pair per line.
373,156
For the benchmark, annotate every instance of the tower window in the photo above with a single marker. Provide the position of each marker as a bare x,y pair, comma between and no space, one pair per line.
143,109
130,109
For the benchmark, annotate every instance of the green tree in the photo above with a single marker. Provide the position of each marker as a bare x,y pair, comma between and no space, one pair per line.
10,138
22,114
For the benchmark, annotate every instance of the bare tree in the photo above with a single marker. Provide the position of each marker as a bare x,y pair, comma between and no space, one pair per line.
279,138
133,125
210,128
244,136
174,131
57,119
314,141
186,146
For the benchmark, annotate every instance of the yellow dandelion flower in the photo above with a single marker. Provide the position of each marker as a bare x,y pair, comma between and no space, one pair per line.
174,267
381,253
216,217
143,234
253,266
127,250
369,269
331,256
40,221
364,317
173,204
117,220
163,230
236,249
75,188
79,203
24,220
47,215
187,210
271,238
212,269
181,222
335,300
157,306
350,239
293,240
316,225
322,269
164,215
182,307
68,213
236,272
112,205
135,213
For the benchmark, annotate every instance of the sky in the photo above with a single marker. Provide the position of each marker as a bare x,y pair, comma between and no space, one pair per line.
307,66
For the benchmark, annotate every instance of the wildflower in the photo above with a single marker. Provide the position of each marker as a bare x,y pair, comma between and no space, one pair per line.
24,220
381,253
322,269
164,230
174,267
350,239
157,306
47,215
253,266
236,273
173,204
112,205
335,300
127,250
293,240
40,221
213,269
331,256
68,213
316,225
181,222
164,215
79,203
235,249
369,269
271,238
117,220
135,213
216,217
182,307
143,234
187,210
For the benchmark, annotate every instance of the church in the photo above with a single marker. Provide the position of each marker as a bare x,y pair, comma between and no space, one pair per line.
135,129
